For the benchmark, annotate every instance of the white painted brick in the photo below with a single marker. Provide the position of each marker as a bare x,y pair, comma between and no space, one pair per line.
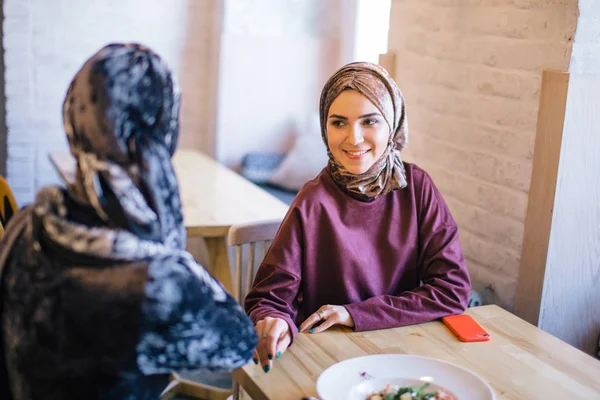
485,166
17,9
505,21
498,259
19,26
506,233
470,71
521,4
479,136
497,199
494,287
497,52
46,42
24,168
518,85
513,115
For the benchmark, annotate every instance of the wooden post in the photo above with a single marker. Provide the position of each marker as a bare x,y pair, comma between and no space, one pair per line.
538,221
388,61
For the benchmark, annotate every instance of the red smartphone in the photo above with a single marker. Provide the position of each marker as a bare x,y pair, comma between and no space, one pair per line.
465,328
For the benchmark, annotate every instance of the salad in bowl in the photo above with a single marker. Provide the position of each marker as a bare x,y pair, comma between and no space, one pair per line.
422,392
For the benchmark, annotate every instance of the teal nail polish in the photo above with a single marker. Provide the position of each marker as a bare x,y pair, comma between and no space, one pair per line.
299,329
270,356
267,368
278,354
312,331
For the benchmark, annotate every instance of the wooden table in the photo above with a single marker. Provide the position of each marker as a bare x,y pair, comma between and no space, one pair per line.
519,362
213,197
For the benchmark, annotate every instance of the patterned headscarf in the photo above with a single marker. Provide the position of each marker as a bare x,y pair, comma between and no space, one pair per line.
121,116
372,81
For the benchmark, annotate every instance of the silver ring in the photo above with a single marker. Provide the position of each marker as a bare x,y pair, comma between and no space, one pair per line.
320,314
264,335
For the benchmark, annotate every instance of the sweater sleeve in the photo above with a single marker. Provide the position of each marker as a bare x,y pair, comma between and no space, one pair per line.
277,282
445,282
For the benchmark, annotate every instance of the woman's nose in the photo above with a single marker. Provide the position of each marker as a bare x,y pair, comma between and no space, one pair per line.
355,136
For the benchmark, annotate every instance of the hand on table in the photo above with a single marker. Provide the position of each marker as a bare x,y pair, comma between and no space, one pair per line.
274,337
330,316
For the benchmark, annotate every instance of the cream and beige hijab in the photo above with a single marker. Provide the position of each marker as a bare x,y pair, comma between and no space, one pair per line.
372,81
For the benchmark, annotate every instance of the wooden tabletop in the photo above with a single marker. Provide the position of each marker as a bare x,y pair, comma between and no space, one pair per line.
213,196
519,362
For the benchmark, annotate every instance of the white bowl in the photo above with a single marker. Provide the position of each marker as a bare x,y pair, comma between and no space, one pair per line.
356,378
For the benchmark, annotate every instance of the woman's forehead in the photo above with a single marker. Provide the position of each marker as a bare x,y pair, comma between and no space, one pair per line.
352,102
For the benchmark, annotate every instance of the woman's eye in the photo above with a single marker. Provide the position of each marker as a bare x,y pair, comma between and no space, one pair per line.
370,121
338,123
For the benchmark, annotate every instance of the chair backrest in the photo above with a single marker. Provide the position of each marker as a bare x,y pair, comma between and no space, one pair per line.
251,235
8,204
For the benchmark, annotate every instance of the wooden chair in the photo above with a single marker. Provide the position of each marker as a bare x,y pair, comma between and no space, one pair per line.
8,204
261,233
250,235
204,387
255,236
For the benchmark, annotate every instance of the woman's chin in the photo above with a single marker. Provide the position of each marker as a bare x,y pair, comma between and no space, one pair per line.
356,170
356,167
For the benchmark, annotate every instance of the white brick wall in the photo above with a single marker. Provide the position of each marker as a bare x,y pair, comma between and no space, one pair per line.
470,71
47,41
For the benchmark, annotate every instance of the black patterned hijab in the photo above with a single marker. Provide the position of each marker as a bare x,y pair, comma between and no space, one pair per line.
372,81
121,116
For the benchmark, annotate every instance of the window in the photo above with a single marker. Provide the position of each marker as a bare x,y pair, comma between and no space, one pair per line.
372,28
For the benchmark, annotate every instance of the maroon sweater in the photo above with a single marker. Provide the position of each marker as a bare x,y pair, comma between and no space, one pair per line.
391,262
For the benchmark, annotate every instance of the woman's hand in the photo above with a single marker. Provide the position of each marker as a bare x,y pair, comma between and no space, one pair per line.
274,337
330,315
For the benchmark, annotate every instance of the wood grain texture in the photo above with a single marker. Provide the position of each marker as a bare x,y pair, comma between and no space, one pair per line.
551,115
219,261
570,306
519,362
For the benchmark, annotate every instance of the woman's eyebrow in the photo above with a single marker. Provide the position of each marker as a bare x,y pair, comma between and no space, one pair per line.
375,114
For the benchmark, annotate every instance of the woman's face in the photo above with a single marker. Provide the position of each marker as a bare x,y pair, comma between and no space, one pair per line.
357,133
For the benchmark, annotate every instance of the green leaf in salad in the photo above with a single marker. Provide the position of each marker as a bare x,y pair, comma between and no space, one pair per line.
417,392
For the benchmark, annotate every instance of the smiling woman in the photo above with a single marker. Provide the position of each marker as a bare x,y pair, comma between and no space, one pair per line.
369,243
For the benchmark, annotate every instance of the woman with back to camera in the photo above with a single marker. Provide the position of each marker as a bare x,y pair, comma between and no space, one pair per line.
370,242
98,297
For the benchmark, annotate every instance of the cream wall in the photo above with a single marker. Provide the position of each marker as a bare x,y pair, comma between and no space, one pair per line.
275,58
470,71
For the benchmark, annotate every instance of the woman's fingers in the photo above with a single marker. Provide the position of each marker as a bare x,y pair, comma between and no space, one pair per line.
284,343
321,314
309,322
328,323
329,315
260,327
273,330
